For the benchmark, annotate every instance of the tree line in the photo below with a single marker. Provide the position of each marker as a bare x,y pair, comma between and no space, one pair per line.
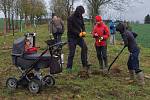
19,10
64,8
147,19
31,10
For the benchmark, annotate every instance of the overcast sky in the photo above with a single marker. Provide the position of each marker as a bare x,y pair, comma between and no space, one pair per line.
137,12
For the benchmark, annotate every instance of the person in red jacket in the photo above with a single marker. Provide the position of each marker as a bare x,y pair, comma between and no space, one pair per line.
101,34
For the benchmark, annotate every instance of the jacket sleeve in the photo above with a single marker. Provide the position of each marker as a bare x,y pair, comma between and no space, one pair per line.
83,25
125,39
50,26
106,33
94,32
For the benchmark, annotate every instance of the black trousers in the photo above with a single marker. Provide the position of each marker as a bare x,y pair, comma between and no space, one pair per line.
72,43
102,56
57,37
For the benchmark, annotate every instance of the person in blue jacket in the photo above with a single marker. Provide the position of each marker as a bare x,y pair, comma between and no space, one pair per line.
112,32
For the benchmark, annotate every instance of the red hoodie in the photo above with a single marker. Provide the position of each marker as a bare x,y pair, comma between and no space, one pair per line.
100,30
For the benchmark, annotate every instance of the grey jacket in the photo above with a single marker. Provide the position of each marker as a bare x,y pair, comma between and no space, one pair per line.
56,24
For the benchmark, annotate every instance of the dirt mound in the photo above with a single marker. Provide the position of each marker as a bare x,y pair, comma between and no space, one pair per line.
96,72
83,75
115,72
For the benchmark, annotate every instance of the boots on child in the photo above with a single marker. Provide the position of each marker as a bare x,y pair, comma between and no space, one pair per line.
103,66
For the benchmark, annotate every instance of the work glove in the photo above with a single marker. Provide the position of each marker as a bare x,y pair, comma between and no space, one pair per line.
82,34
101,38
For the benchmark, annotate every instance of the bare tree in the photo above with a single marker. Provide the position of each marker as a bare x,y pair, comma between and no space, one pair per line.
62,8
69,6
3,7
95,7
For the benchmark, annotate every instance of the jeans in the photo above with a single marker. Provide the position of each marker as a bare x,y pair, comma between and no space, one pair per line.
133,61
112,39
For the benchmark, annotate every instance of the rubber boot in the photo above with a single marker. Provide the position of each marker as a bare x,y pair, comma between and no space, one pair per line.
140,78
106,63
131,78
105,68
101,64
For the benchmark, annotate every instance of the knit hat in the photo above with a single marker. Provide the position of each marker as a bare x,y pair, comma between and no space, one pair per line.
98,18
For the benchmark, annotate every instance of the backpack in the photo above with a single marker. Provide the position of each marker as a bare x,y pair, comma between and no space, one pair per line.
58,25
59,29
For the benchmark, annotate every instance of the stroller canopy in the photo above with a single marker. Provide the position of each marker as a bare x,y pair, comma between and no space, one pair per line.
18,46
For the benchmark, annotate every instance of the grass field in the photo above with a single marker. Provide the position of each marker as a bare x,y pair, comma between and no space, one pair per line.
69,86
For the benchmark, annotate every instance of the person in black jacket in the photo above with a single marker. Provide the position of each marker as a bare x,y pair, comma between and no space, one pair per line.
133,61
76,26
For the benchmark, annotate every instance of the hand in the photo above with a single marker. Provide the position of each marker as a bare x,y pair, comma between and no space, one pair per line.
82,34
96,35
100,39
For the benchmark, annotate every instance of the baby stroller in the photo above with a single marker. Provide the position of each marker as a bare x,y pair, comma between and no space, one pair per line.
31,61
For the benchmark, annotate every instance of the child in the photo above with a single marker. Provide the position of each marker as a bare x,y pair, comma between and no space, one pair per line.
101,34
112,32
133,61
29,49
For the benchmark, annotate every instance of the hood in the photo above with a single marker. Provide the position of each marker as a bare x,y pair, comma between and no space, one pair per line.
98,18
121,27
79,11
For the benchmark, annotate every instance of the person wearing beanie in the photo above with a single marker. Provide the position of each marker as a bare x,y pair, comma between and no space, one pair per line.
101,34
75,34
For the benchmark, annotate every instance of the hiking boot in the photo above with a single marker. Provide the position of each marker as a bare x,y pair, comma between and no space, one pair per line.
140,78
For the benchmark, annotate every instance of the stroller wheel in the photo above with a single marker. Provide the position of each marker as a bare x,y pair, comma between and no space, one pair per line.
11,83
35,86
49,80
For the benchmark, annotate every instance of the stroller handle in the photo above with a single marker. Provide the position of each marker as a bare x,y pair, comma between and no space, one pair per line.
51,43
28,34
58,44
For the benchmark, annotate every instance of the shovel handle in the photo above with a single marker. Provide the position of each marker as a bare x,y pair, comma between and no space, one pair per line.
116,58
